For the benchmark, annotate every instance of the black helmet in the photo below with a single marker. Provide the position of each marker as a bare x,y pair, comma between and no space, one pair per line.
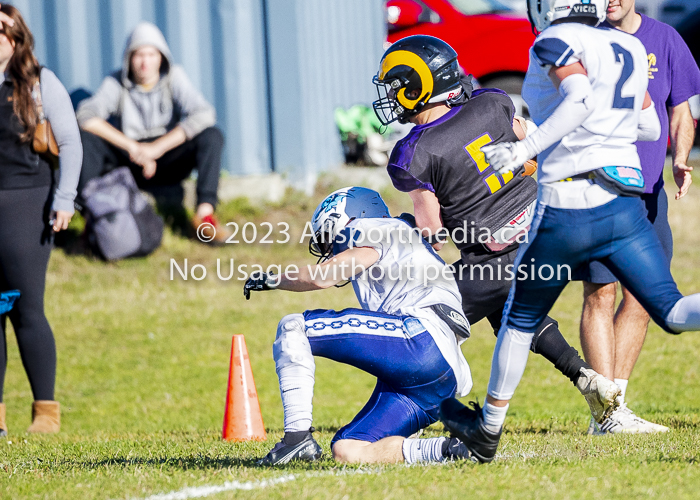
414,71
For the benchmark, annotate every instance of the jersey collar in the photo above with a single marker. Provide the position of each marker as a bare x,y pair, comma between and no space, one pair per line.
440,120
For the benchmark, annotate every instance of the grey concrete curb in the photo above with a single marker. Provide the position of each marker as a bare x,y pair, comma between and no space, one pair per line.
271,187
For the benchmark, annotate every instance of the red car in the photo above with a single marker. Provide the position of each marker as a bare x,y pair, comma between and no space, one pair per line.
491,39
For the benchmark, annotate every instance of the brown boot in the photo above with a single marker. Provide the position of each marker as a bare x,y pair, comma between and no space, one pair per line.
46,417
3,425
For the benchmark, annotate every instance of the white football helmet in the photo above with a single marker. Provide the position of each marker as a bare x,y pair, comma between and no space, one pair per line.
543,12
339,208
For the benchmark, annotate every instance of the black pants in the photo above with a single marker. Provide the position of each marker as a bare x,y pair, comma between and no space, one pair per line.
485,288
203,152
25,246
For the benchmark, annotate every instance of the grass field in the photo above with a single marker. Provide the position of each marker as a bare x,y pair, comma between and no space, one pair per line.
143,366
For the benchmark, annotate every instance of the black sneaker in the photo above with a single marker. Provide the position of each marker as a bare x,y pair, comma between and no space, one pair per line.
306,449
468,425
457,450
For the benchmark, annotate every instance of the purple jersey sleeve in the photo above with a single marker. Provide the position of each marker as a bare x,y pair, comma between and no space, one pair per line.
674,77
685,75
409,166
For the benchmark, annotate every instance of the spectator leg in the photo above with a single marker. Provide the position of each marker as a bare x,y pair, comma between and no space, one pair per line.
203,152
24,256
209,145
3,347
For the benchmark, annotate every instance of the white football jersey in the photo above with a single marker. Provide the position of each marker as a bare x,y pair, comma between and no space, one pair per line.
617,68
407,279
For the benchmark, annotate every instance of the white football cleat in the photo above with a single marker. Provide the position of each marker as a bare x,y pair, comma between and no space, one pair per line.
651,427
601,393
624,421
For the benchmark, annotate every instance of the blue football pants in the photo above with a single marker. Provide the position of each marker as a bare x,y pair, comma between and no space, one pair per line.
618,234
412,375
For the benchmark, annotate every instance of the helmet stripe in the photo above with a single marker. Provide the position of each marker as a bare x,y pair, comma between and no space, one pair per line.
406,58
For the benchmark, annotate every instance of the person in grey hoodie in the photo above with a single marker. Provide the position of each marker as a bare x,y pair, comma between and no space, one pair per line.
148,116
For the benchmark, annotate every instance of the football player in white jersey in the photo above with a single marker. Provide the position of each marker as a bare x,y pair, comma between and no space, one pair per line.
407,334
586,89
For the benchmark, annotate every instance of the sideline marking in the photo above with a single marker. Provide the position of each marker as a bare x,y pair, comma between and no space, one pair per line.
205,491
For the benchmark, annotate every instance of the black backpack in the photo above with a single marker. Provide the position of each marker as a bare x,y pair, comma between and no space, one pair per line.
120,222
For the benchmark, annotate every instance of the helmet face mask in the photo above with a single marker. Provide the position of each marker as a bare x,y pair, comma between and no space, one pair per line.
321,243
414,71
388,108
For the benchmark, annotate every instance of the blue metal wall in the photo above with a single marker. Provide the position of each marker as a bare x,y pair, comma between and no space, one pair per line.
322,54
275,69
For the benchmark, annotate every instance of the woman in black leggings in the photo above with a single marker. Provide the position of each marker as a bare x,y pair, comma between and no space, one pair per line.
30,208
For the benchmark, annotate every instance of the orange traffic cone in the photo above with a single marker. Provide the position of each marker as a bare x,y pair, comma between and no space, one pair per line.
242,418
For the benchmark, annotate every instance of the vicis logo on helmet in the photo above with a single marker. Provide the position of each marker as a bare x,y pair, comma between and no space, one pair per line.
582,8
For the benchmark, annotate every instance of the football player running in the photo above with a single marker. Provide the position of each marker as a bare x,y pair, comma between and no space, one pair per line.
612,339
586,88
407,334
487,214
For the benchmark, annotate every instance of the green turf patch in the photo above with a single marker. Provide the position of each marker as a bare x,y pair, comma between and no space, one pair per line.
143,368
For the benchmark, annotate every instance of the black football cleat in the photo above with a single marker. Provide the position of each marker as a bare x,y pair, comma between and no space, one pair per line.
457,450
468,425
306,449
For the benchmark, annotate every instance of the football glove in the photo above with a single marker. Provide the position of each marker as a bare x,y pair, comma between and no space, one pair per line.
259,282
506,156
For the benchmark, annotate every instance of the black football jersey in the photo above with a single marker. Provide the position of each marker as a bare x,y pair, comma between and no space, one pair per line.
445,157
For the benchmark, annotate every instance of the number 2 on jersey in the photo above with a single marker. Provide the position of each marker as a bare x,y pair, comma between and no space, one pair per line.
627,62
493,181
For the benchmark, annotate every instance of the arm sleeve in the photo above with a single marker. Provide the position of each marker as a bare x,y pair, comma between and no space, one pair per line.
649,127
409,167
530,128
577,105
59,112
103,104
196,113
685,75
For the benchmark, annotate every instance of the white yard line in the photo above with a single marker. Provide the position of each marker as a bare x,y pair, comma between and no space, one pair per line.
205,491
